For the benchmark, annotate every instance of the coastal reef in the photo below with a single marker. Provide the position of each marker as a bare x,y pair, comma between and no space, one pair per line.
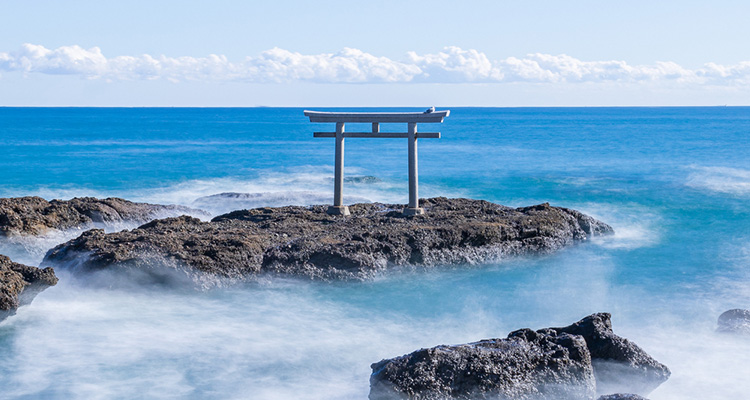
573,362
24,216
307,242
19,284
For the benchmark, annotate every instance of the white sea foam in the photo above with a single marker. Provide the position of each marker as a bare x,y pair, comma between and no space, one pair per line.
226,202
276,342
733,282
292,339
734,181
635,225
302,186
62,193
30,250
309,341
306,186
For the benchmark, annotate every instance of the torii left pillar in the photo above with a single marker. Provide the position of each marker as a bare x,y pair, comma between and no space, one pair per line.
338,207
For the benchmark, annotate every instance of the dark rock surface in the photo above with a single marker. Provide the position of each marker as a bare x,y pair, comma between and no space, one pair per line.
526,365
621,396
35,215
19,284
552,363
229,201
305,241
620,365
735,321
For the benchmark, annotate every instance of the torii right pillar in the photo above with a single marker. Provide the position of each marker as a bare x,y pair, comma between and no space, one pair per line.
413,208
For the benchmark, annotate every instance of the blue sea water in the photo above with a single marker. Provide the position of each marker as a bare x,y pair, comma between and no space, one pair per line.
673,182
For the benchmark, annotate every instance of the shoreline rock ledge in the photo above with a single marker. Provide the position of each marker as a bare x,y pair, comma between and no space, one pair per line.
307,242
576,362
31,215
19,284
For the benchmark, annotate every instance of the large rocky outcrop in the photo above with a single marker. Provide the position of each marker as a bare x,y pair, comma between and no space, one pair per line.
552,363
735,321
619,364
35,215
305,241
526,365
19,284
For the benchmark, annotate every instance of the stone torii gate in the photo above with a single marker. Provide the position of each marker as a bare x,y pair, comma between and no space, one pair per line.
410,118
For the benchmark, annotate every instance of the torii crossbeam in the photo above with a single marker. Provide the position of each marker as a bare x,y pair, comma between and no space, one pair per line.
410,118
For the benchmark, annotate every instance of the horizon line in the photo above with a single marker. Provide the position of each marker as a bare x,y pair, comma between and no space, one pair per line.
390,106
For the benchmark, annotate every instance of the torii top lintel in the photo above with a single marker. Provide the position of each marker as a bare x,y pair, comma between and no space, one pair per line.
365,117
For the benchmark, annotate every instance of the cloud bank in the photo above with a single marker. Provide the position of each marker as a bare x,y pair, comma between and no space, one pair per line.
451,65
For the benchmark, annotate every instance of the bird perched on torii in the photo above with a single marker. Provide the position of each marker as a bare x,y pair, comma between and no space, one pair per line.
429,110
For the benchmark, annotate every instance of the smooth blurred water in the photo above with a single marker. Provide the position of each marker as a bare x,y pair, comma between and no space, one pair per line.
674,183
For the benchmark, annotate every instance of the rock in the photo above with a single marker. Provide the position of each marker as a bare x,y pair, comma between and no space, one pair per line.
619,364
551,363
229,201
621,396
19,284
34,215
369,179
305,241
526,365
735,321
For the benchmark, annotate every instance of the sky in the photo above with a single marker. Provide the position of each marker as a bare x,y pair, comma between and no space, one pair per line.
374,53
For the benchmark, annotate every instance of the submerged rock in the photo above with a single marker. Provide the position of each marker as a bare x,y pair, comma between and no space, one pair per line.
19,284
34,215
619,364
735,321
621,396
552,363
362,179
526,365
305,241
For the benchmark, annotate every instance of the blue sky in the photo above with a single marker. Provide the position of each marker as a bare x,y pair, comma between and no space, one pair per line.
375,53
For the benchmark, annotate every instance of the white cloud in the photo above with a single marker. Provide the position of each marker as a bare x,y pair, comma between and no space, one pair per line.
451,65
63,60
347,66
455,65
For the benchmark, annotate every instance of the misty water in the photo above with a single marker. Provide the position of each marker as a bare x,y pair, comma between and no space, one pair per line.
673,182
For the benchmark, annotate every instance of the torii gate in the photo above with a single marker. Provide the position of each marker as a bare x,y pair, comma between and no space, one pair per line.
410,118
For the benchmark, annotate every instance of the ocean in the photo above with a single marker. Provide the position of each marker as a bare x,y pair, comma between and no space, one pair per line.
673,182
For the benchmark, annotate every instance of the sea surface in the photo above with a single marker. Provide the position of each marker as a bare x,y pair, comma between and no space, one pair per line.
673,182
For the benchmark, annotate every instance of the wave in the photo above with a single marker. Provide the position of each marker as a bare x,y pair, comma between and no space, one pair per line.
727,180
304,186
635,225
30,250
225,202
221,195
226,344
